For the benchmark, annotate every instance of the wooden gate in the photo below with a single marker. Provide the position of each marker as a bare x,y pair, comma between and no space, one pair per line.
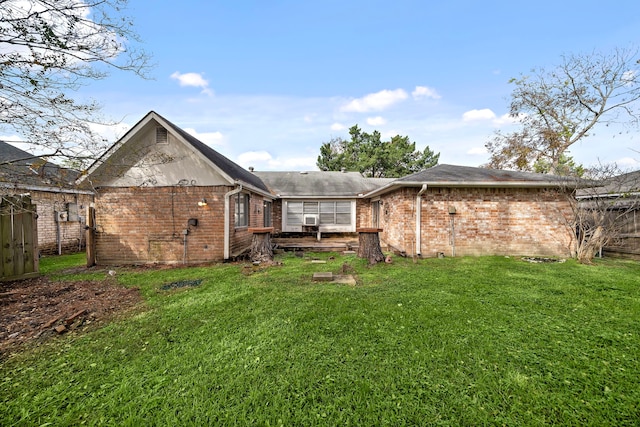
18,237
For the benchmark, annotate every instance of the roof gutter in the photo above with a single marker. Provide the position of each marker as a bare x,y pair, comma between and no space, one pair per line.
481,184
255,189
227,218
419,219
46,189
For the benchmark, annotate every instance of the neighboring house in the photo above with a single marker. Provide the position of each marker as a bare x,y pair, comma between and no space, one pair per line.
59,205
163,196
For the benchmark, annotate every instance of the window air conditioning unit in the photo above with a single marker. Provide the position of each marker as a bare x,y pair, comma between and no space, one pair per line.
310,220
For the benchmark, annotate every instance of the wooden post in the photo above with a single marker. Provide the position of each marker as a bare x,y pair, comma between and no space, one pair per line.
261,248
91,237
369,245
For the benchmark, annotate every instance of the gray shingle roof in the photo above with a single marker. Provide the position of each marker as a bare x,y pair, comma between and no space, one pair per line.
232,169
471,175
627,183
320,184
23,169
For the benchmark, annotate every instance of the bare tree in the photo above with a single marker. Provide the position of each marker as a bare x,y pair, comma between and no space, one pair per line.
605,211
557,108
48,50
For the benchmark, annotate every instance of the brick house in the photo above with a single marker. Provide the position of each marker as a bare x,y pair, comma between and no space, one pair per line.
59,205
459,210
163,196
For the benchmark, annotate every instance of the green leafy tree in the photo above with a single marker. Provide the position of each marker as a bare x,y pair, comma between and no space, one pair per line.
557,108
368,154
566,167
50,49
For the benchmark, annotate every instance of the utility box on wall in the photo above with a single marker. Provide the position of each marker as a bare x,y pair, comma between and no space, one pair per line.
72,212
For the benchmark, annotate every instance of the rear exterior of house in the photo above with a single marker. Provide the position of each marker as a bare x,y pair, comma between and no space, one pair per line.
164,197
476,221
321,202
457,211
171,224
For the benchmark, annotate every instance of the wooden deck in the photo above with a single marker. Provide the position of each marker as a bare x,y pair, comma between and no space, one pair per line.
311,243
329,242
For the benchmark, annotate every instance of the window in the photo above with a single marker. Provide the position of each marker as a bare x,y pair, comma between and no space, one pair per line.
242,210
162,137
329,213
375,213
294,213
267,213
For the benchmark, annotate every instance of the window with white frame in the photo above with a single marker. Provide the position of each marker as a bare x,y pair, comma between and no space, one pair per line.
328,212
242,210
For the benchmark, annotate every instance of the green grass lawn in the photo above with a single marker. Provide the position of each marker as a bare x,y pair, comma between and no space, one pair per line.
454,341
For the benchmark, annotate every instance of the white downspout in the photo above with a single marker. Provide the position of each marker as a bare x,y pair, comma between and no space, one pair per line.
227,216
419,219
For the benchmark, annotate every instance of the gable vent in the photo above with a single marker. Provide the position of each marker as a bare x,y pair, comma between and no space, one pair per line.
162,136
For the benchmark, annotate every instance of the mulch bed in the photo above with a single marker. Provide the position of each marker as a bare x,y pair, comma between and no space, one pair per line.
34,310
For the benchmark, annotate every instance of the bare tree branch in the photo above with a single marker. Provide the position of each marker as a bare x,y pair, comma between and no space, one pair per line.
48,50
559,107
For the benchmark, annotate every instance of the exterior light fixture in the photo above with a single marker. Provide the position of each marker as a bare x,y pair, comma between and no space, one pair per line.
202,202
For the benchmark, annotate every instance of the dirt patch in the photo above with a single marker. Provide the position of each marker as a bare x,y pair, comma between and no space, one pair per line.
36,309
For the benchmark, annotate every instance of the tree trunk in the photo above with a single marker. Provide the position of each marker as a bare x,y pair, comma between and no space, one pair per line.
261,248
369,245
590,245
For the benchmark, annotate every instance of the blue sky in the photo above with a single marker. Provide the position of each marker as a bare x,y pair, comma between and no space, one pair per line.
267,82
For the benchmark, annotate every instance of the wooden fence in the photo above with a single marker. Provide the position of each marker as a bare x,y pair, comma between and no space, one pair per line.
18,238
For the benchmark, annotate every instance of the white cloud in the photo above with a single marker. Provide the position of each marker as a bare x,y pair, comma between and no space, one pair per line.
376,121
375,101
338,126
628,162
477,151
209,138
192,80
263,160
110,133
251,158
505,119
425,92
629,76
478,115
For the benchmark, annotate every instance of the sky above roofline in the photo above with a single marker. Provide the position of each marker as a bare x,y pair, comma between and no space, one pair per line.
266,83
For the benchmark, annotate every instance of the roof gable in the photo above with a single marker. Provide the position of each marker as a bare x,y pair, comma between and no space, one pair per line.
229,171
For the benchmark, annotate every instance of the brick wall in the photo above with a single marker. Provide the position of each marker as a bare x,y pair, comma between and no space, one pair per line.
487,222
363,213
70,233
146,224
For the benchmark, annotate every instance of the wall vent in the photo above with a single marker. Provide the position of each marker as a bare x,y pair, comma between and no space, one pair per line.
162,136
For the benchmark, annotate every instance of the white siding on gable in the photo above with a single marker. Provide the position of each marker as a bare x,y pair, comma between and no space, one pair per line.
334,215
152,162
